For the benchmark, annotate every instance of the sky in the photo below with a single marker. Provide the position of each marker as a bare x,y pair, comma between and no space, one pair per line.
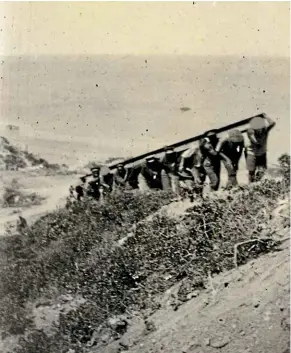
138,28
160,65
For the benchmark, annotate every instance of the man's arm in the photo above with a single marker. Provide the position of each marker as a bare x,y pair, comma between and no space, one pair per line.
251,136
208,146
184,155
119,179
240,151
103,183
181,164
220,145
271,122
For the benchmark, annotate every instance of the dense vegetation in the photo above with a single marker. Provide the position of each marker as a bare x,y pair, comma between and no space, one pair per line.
76,251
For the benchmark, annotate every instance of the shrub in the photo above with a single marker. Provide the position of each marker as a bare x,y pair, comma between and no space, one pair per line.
284,164
75,250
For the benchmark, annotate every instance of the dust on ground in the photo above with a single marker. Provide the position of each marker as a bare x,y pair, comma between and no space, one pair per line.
245,310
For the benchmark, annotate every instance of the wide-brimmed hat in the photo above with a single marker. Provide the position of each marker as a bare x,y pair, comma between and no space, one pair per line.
151,158
168,149
257,123
210,133
95,169
235,136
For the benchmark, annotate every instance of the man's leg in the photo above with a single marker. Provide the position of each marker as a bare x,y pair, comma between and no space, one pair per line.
190,189
166,180
261,163
80,192
213,173
199,179
231,174
251,166
174,179
186,186
142,183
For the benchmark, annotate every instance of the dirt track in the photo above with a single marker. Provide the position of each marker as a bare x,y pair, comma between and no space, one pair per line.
54,189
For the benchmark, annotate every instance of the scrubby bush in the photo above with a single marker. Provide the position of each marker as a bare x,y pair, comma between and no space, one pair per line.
15,161
284,164
75,250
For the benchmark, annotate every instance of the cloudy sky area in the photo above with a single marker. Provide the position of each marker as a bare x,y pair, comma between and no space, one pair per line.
206,28
225,60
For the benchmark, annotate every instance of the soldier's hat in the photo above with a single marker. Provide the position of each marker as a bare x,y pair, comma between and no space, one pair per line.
210,133
95,169
151,158
235,136
168,149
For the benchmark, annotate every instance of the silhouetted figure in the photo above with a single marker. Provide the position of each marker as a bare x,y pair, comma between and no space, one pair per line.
230,150
21,224
256,150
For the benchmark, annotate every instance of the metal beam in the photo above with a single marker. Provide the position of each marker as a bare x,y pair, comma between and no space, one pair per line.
186,142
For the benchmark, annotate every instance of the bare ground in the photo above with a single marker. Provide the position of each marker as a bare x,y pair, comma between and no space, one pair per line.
245,310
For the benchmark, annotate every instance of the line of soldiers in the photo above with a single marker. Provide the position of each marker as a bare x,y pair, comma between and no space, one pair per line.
186,173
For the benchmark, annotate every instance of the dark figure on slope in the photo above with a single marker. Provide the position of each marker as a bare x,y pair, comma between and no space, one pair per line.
230,150
97,184
80,188
150,174
170,178
21,224
191,172
211,158
120,178
200,162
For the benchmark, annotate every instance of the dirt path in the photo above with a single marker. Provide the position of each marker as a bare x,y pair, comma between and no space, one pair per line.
55,190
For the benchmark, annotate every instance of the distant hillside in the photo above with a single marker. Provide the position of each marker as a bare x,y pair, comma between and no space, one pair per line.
13,158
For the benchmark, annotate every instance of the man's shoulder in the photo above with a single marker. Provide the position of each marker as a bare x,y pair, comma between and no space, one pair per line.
189,152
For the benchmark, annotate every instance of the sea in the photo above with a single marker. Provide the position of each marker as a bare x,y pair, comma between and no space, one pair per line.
76,109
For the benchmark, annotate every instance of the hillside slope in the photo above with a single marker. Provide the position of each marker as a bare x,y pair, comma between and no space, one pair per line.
12,157
245,310
70,286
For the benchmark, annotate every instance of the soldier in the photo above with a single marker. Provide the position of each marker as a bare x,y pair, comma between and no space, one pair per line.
21,224
256,150
120,178
191,171
80,188
230,150
199,162
169,177
211,159
96,184
150,174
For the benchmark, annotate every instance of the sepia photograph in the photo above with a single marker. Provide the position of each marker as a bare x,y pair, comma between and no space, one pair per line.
144,177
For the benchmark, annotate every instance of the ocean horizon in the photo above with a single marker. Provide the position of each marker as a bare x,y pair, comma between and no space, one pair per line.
73,109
